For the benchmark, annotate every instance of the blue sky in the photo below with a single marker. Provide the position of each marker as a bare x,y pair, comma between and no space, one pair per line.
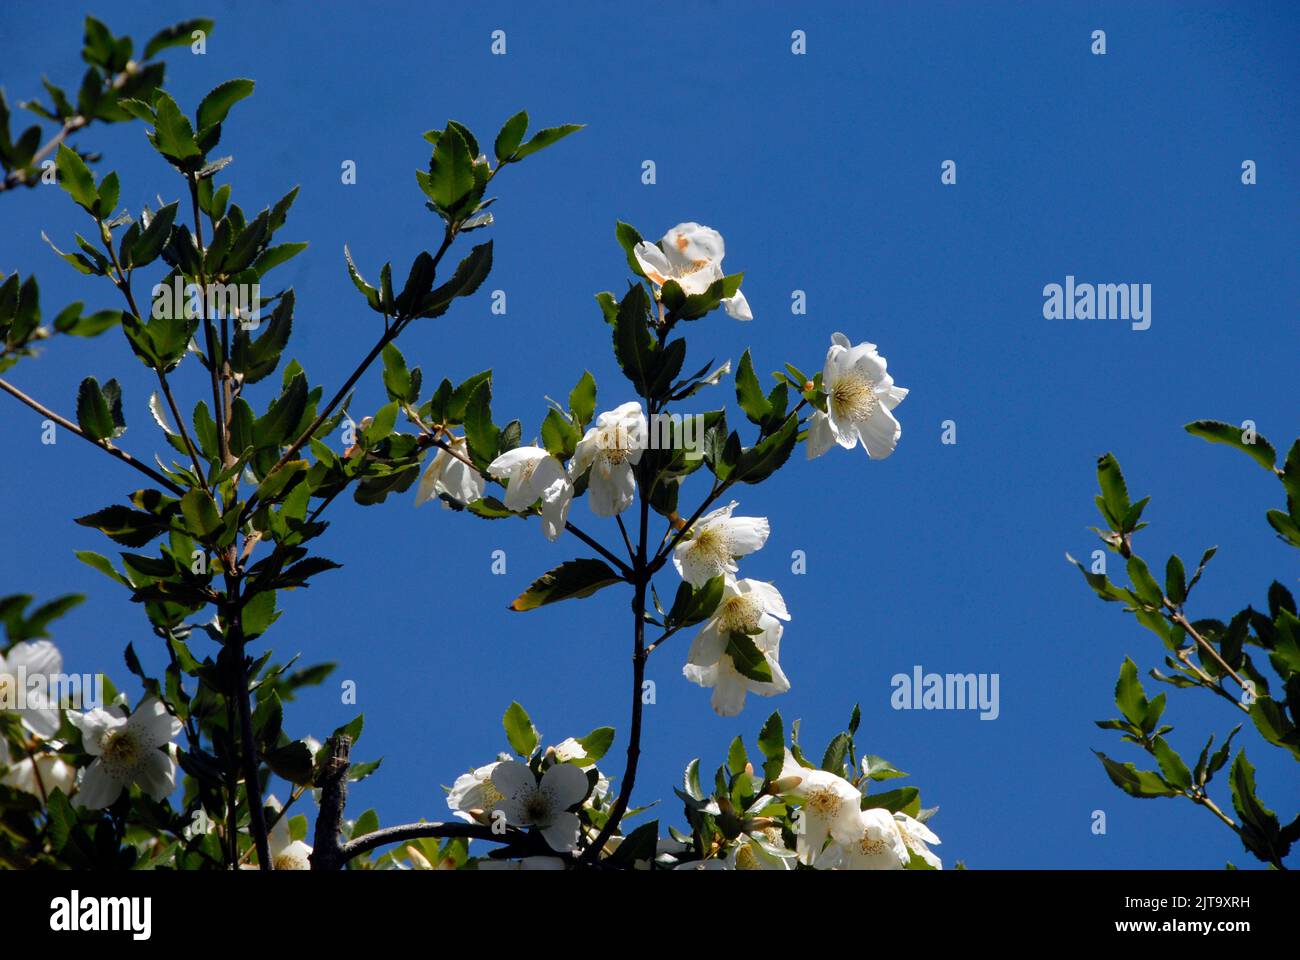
822,171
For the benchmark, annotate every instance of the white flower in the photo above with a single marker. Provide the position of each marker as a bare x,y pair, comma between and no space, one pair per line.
286,852
474,791
532,474
716,540
762,850
450,475
569,749
751,607
916,835
877,845
545,805
859,397
599,793
24,662
829,807
127,750
691,255
610,450
39,774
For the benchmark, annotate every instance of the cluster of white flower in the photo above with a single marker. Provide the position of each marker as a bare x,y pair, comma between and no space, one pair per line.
830,808
42,770
507,790
860,396
126,749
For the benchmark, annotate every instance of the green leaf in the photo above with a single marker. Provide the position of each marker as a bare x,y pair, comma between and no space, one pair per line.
511,135
1261,451
1171,764
272,257
107,195
293,762
396,376
694,605
1273,725
257,359
382,424
93,414
543,139
632,345
628,237
258,613
521,733
1114,491
451,173
737,758
876,768
582,399
418,282
216,105
482,435
173,135
153,237
1129,695
370,293
559,435
570,580
76,179
771,738
200,512
836,751
131,528
596,744
178,35
749,393
1175,579
469,276
1144,784
767,456
892,800
1144,585
638,846
1259,825
747,658
282,417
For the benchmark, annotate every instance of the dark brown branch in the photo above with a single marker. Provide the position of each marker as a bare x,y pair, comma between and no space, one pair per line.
327,850
331,853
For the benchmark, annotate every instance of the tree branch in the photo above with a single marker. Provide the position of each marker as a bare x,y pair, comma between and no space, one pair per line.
331,853
104,445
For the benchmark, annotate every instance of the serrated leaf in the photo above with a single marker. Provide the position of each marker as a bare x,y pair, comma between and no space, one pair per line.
572,579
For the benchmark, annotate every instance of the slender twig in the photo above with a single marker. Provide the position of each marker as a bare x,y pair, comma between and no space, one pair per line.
623,568
1179,619
248,742
1208,804
642,575
104,445
123,283
214,362
390,334
662,637
623,530
18,178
